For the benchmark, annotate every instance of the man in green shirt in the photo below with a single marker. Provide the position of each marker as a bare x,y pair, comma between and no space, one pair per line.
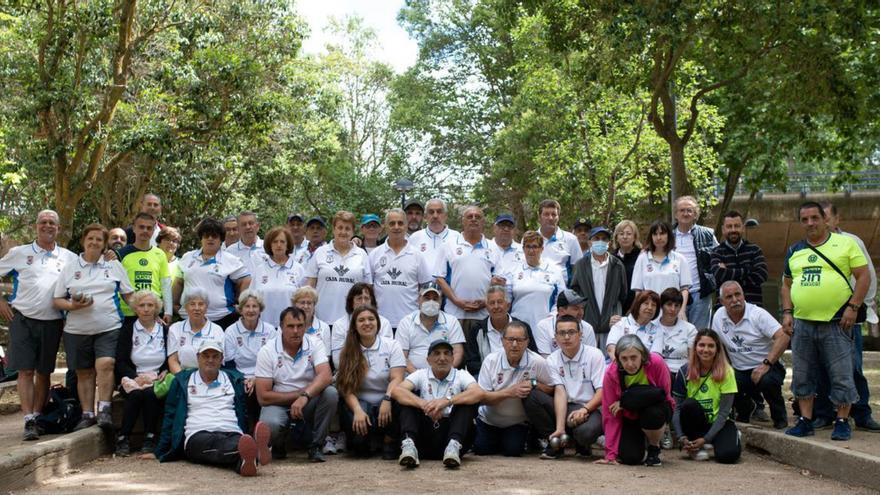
146,265
819,310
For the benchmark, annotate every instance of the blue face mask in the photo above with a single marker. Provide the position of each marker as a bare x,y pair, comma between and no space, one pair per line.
599,248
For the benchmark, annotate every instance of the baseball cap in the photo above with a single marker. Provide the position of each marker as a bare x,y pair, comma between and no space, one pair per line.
582,222
430,286
598,230
317,219
413,202
569,297
504,217
370,217
210,344
439,343
295,216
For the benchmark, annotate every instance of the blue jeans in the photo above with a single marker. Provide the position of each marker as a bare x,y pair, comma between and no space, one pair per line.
698,311
861,410
509,442
823,347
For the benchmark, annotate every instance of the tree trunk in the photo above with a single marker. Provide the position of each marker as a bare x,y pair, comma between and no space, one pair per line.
734,172
680,184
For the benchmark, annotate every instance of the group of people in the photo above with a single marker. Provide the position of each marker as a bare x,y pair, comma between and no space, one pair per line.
426,343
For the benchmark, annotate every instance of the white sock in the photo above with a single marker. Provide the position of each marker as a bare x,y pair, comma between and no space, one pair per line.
103,403
28,417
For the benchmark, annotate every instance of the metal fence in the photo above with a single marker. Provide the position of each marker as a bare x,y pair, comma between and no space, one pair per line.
806,183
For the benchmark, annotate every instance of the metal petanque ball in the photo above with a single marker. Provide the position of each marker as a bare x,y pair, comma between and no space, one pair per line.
559,442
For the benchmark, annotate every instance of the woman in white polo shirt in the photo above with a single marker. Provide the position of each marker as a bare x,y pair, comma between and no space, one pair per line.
335,267
361,294
660,267
277,275
185,336
534,285
371,366
89,290
675,341
639,321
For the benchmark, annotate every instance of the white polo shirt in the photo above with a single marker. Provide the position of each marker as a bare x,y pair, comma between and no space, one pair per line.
468,268
429,243
290,373
249,255
533,291
242,345
276,283
396,280
104,281
300,252
562,249
336,274
493,335
674,342
34,272
497,374
384,354
673,271
210,406
430,388
147,348
185,342
321,331
748,342
414,338
340,332
581,375
545,335
217,276
649,334
511,257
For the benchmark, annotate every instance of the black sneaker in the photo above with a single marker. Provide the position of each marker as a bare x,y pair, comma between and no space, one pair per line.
30,431
653,458
149,445
123,449
869,425
780,424
821,423
315,454
583,451
551,453
85,422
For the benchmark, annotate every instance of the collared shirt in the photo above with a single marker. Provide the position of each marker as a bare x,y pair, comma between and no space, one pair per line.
335,274
498,374
34,272
276,283
383,355
210,406
242,345
300,252
532,291
146,269
396,280
185,342
511,257
684,244
493,335
321,331
627,325
428,243
249,255
468,268
674,342
414,338
581,375
545,335
104,281
216,275
599,269
672,271
429,387
563,249
290,373
147,348
340,332
748,342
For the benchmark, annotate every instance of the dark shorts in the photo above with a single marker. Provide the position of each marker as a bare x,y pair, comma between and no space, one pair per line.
33,344
82,350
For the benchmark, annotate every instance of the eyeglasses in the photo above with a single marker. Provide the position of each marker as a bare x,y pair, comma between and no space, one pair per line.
567,333
516,340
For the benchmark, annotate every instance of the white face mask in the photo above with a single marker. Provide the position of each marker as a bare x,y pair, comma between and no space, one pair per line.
430,308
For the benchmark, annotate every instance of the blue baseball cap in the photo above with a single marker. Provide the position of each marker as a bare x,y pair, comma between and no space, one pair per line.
599,230
504,217
317,219
370,217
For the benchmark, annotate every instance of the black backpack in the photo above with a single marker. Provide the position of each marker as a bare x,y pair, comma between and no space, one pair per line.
62,412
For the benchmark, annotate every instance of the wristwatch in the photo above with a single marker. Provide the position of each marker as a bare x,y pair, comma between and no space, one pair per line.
387,397
767,362
853,306
307,395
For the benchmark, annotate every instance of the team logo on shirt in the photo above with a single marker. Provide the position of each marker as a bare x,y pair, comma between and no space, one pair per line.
458,251
280,362
77,275
520,276
329,258
239,341
500,378
424,247
262,341
430,389
738,340
812,258
559,247
193,390
341,270
667,351
382,262
387,363
562,371
137,340
704,388
650,268
106,273
547,278
517,257
583,374
30,260
142,262
182,341
394,272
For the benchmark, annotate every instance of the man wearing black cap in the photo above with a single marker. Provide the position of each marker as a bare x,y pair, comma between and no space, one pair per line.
438,420
511,251
568,303
581,230
601,279
297,229
415,211
316,235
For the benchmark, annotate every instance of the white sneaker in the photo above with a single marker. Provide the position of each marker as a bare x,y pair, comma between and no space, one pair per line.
409,455
340,441
330,445
601,441
700,455
666,441
451,457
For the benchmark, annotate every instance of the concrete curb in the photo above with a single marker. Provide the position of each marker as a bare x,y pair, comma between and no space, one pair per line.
40,461
831,461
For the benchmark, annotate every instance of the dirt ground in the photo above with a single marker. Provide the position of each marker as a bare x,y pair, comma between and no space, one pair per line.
484,475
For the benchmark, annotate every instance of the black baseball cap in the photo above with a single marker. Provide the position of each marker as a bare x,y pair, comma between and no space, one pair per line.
569,297
295,216
582,222
439,343
317,219
504,217
413,202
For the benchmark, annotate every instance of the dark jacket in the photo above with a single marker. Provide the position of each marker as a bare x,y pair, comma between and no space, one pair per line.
745,264
616,291
629,262
477,348
170,446
124,365
704,243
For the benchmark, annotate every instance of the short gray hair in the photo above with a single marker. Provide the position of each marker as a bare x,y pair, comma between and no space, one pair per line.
729,283
195,293
631,341
495,289
50,213
438,200
515,324
251,294
397,211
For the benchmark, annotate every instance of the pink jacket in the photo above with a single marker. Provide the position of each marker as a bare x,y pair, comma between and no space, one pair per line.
657,374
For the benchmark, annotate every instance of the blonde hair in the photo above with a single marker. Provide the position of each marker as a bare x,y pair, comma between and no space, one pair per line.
619,228
140,295
302,292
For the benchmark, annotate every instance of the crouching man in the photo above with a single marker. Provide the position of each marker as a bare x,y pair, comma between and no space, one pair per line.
443,412
205,417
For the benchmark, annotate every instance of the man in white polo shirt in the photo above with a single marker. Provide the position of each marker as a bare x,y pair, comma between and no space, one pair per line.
580,369
507,377
35,326
438,406
293,384
560,247
570,303
418,329
754,341
399,269
249,247
429,240
511,251
205,418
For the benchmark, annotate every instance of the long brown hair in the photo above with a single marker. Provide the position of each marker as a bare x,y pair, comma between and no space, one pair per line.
719,365
353,365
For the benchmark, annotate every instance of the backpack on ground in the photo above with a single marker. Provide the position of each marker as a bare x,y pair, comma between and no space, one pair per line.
62,412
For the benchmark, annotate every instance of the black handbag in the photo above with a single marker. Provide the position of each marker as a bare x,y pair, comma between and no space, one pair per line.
862,314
